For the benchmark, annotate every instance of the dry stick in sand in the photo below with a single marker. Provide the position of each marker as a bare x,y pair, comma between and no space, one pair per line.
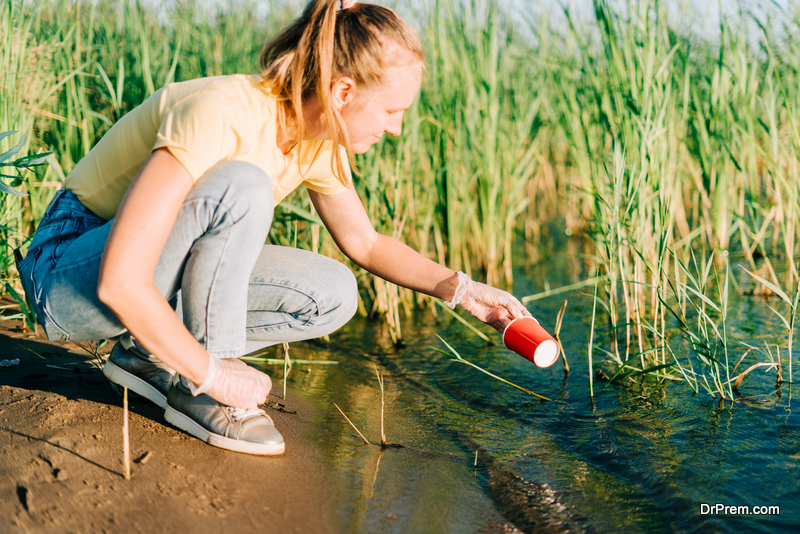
351,424
380,381
126,450
559,319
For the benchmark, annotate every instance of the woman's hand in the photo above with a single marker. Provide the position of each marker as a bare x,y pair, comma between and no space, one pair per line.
234,383
493,306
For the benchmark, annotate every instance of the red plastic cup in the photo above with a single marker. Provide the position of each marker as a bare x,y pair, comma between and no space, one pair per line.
526,337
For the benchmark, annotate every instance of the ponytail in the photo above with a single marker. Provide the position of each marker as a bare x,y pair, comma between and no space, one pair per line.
322,43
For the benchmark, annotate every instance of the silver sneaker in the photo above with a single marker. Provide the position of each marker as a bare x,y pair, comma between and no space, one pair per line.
132,367
226,427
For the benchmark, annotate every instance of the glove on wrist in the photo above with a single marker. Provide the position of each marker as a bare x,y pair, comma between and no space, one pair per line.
234,383
486,303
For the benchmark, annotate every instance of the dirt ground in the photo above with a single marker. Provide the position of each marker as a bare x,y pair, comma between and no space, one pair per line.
61,467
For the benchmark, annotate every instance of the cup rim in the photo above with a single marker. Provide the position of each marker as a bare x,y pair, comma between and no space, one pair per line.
554,360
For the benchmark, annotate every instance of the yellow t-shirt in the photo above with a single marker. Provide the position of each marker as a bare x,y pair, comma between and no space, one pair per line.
201,122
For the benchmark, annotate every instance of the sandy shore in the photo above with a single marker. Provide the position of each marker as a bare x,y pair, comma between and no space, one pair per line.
61,468
61,460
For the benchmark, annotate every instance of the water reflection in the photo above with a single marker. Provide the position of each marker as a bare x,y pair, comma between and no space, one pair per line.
633,459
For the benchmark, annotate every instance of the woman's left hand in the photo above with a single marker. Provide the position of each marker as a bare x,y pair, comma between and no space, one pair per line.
493,306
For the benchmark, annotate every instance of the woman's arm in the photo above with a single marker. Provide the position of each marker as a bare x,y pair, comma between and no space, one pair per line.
144,221
345,218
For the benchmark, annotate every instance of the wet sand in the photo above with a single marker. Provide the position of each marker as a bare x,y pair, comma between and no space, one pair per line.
61,460
61,463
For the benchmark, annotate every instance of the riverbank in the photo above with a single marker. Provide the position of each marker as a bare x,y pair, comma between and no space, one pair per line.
61,467
61,459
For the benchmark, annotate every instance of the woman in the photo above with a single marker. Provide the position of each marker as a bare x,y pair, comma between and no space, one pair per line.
171,210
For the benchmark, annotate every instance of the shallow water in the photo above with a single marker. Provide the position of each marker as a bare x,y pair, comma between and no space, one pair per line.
626,461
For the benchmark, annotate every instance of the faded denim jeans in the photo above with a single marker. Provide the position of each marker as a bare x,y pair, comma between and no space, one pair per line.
234,293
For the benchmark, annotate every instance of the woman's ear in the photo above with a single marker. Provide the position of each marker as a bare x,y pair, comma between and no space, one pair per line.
342,92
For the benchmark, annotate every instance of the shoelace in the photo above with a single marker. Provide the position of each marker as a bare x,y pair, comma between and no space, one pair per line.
239,414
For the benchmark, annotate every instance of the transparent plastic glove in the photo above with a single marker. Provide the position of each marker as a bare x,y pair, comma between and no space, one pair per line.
493,306
234,383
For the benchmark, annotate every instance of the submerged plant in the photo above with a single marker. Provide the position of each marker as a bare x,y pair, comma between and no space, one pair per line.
788,323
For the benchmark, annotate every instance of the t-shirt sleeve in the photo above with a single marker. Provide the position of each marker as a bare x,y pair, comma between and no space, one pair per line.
200,131
322,179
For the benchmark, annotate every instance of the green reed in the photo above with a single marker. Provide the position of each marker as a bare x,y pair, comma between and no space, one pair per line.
678,147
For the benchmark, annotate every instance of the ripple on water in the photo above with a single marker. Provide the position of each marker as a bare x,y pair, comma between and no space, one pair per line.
629,460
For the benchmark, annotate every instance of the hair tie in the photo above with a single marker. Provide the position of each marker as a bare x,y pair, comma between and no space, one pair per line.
347,4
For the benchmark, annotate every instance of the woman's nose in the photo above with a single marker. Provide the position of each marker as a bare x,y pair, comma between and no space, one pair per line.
395,126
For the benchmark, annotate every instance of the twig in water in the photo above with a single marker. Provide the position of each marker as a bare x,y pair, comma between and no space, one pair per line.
740,360
351,424
738,379
126,451
462,360
380,381
464,322
591,335
564,289
559,320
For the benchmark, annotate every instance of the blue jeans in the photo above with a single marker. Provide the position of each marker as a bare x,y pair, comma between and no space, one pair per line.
234,293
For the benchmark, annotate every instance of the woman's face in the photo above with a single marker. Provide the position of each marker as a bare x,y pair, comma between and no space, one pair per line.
370,113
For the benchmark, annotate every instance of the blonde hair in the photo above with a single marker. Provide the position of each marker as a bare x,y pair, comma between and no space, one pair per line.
322,44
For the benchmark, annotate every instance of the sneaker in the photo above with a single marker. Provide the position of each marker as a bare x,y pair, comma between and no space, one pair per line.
132,367
226,427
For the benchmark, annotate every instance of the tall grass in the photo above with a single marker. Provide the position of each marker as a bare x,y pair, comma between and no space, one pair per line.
679,147
665,148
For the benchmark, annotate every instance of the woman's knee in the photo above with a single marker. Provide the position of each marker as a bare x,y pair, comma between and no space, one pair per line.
338,301
311,291
347,290
242,188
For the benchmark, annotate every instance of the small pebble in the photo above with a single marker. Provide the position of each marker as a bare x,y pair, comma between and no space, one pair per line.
144,458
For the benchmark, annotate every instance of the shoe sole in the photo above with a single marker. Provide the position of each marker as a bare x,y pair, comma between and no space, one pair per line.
189,425
121,377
